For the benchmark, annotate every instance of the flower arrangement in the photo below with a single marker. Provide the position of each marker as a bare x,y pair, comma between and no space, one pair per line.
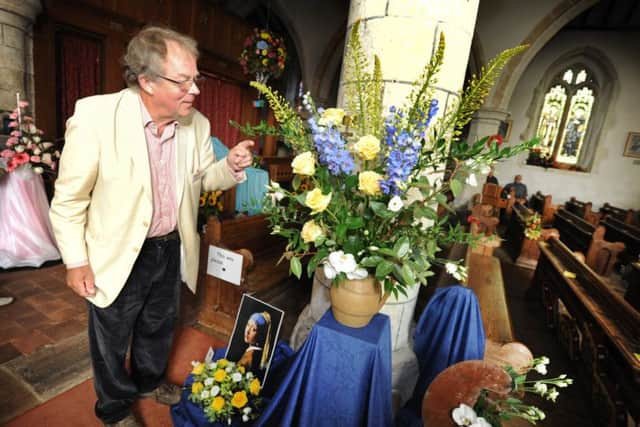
377,178
25,146
210,205
225,391
264,55
533,227
490,410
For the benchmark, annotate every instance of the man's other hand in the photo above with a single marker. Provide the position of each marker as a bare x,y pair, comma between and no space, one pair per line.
82,281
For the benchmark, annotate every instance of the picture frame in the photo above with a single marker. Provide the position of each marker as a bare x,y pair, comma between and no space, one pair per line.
632,146
247,349
504,129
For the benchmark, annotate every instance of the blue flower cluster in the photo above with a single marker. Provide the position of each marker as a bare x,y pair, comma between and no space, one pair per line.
404,143
331,148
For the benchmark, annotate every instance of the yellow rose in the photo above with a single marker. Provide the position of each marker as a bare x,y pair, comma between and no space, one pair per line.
369,182
317,201
222,363
198,369
219,375
217,404
254,386
310,231
239,399
196,388
304,164
264,35
333,115
367,147
241,369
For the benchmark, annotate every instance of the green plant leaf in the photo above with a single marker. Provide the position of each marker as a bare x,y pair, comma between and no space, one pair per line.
383,269
295,267
402,246
456,187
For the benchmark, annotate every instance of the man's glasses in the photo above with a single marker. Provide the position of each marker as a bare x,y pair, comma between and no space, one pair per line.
185,85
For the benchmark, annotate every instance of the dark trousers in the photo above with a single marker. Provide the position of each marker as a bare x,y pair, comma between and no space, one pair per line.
144,313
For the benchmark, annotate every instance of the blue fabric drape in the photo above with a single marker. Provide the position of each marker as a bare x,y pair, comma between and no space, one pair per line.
341,376
449,331
249,194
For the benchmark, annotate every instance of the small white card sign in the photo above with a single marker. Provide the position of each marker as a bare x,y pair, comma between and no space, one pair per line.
225,265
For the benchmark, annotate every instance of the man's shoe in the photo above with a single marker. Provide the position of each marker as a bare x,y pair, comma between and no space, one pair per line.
128,421
5,301
166,394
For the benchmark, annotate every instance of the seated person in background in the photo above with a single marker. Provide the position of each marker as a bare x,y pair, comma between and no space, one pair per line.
491,179
257,336
519,188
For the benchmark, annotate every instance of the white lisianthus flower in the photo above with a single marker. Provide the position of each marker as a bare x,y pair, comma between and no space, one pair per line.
204,394
481,422
464,415
457,271
246,410
395,204
358,274
544,360
451,268
471,180
38,170
329,272
342,263
552,395
540,388
215,390
208,382
304,164
236,377
245,418
541,369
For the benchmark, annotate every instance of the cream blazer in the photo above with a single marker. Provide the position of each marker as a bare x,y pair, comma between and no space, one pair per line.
102,207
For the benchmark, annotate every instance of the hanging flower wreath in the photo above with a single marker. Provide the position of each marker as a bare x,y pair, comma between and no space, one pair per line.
264,55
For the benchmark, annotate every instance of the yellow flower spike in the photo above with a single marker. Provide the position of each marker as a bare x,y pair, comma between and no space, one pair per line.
219,375
254,387
217,404
196,388
198,369
239,399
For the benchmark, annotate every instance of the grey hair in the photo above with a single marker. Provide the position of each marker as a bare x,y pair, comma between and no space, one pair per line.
148,49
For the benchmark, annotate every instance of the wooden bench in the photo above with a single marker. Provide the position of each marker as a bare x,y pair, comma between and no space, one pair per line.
523,250
250,236
603,330
618,231
542,205
632,295
575,232
624,215
583,210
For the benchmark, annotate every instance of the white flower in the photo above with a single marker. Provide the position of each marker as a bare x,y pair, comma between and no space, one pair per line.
464,415
18,148
395,204
204,394
357,274
46,158
457,271
246,410
36,139
215,390
471,180
540,388
541,369
236,377
249,375
274,184
329,272
229,368
245,418
208,382
423,223
552,395
38,170
37,151
413,194
342,263
480,422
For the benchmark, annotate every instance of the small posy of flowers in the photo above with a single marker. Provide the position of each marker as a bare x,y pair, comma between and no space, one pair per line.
210,205
533,227
491,410
225,391
264,55
26,146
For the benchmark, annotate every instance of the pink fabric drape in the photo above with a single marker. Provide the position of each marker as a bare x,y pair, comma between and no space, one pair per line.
79,62
26,238
221,101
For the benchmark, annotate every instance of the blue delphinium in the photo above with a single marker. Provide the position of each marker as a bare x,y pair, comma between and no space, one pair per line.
331,148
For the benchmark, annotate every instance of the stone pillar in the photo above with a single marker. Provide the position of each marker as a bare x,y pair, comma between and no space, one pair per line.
16,50
404,34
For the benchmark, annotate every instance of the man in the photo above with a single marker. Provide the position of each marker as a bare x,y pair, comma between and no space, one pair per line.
491,179
124,214
519,188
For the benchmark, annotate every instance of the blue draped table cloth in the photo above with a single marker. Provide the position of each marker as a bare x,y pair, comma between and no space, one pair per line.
341,376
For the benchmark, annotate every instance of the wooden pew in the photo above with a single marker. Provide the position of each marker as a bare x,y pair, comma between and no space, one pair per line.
633,286
583,210
624,215
575,232
492,195
542,205
523,250
250,236
618,231
605,330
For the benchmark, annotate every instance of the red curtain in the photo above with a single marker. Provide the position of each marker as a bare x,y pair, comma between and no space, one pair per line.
221,101
79,72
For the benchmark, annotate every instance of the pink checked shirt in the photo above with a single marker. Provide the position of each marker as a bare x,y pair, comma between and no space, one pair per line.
162,163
